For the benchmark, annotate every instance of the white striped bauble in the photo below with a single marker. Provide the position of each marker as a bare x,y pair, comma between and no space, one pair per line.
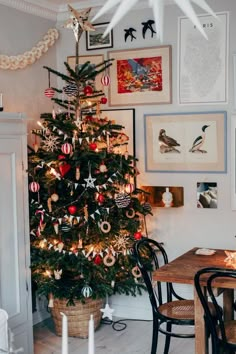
66,148
105,80
122,200
86,291
34,187
49,92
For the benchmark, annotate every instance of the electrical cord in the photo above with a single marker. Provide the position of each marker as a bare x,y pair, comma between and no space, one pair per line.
120,325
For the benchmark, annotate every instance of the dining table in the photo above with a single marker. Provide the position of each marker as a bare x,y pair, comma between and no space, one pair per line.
182,271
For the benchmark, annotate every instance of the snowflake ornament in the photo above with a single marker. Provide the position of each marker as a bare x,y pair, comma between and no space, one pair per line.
121,241
50,143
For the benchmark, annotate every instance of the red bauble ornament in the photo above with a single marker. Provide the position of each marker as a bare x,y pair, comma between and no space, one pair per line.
93,146
49,92
61,157
89,118
98,259
64,168
105,80
88,90
100,198
103,100
137,235
72,209
34,187
66,148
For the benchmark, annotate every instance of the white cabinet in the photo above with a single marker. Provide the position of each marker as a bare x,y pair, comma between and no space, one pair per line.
15,283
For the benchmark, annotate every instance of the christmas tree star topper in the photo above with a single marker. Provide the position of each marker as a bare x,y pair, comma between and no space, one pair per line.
79,22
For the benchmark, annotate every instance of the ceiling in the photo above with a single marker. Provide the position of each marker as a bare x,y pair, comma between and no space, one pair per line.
57,9
51,9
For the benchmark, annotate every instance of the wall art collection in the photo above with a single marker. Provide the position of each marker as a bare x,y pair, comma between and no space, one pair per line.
174,142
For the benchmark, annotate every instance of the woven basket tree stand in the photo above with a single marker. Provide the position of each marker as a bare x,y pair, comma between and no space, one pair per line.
78,316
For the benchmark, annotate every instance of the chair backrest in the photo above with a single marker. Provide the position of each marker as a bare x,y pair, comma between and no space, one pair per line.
214,321
150,255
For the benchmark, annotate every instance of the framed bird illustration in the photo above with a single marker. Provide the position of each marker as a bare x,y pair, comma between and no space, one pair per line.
186,142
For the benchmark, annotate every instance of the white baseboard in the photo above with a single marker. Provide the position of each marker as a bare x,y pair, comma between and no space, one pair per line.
131,307
41,314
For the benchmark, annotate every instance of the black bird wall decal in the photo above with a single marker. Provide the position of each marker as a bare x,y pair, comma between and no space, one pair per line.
129,33
148,26
167,144
199,141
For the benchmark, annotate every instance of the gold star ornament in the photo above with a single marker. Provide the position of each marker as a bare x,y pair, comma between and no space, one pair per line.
79,22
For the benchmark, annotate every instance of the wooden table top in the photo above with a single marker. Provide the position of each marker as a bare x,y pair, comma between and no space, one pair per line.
182,269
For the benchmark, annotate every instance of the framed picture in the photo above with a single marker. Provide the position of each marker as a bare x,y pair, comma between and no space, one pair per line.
156,196
126,118
207,195
200,82
234,68
186,142
233,162
94,60
95,40
140,76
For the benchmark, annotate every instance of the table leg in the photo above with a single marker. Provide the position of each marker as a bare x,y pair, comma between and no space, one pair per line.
228,299
201,341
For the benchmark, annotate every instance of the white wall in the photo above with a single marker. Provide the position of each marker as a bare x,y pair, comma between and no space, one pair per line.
23,89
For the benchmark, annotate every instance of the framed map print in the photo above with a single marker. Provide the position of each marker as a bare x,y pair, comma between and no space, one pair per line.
203,63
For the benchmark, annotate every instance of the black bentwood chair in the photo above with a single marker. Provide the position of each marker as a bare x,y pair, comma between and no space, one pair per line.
166,311
223,333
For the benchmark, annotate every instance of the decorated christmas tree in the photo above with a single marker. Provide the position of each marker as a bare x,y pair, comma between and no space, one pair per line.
85,209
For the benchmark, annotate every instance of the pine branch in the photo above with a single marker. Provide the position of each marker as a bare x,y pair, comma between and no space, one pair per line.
61,75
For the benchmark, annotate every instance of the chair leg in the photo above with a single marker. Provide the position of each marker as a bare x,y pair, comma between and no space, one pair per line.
155,328
167,341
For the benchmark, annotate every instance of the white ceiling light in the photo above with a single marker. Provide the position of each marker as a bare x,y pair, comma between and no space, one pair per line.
158,12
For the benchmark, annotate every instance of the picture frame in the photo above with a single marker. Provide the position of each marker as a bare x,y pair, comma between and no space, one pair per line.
140,76
234,72
94,39
126,118
207,195
94,60
233,162
155,196
198,81
171,143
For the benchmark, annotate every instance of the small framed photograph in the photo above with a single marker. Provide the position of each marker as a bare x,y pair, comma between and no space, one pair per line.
140,76
207,195
234,67
95,40
94,60
233,163
186,142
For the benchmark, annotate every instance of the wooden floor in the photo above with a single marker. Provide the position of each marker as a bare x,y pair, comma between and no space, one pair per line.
135,339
